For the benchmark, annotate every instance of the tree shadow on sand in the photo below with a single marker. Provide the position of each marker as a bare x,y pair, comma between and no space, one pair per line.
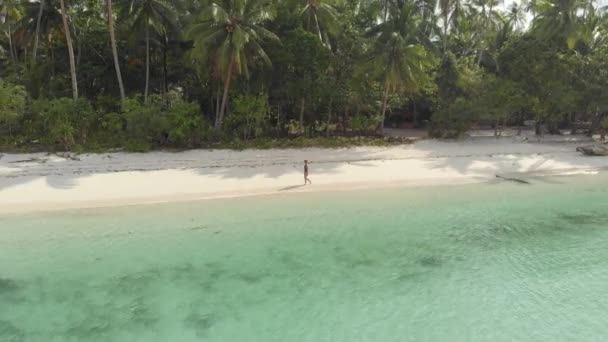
63,173
293,187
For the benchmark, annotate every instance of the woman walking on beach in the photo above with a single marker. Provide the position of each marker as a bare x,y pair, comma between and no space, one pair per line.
306,180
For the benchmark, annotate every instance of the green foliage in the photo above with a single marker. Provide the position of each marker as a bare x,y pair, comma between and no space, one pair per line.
544,74
165,121
308,60
365,124
460,84
144,122
335,66
65,121
399,56
112,124
249,116
186,125
453,119
303,142
137,146
500,98
227,41
12,105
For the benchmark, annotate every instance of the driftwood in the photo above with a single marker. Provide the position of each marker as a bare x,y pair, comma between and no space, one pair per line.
594,150
67,155
521,181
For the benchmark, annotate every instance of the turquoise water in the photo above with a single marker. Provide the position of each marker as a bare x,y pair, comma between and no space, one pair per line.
488,262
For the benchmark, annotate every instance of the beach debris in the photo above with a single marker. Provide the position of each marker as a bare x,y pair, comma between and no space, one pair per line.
516,180
593,150
35,160
398,140
67,155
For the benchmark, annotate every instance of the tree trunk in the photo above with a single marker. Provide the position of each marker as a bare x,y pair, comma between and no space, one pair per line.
121,86
318,29
384,105
596,123
331,100
78,50
51,53
445,33
479,58
36,38
68,39
218,123
10,40
218,103
415,114
165,83
386,5
301,128
521,123
147,62
279,117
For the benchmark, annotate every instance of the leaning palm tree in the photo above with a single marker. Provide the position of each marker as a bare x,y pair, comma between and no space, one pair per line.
110,13
230,34
157,15
320,18
399,55
68,40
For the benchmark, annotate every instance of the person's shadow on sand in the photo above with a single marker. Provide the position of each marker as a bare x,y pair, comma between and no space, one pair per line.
292,187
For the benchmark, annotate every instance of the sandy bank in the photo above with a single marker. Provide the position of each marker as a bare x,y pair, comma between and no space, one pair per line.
33,182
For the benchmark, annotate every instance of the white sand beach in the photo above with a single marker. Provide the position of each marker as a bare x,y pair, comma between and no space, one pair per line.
38,182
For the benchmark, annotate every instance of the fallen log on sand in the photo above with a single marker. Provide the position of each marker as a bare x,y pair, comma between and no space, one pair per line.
594,150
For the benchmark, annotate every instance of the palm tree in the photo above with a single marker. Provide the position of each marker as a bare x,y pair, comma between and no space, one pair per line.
399,54
114,49
449,10
320,18
231,36
465,38
559,19
157,15
10,9
43,19
517,16
37,34
68,40
486,21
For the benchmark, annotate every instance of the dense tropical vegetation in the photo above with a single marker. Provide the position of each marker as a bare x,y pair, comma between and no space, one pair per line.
146,74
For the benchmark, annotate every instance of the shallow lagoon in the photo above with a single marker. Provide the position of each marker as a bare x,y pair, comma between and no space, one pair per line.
488,262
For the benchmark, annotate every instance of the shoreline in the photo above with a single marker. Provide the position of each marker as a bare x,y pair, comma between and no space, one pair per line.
41,183
346,187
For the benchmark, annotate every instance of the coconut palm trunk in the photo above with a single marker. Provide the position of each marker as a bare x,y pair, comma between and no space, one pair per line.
220,120
302,104
68,39
384,105
37,36
445,33
114,49
329,116
147,62
9,34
